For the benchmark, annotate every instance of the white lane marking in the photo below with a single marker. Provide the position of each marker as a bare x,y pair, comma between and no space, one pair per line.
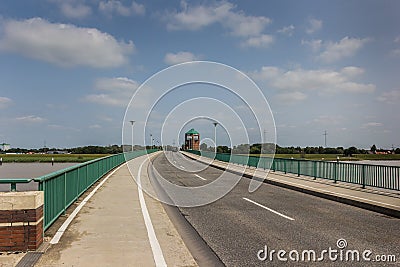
174,161
182,167
155,245
338,194
198,176
271,210
56,238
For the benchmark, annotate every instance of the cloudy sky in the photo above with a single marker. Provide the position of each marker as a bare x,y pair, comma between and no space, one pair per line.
68,68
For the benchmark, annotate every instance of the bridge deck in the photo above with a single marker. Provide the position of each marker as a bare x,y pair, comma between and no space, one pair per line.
110,230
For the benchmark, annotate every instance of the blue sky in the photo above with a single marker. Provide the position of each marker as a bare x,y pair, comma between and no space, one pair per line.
68,68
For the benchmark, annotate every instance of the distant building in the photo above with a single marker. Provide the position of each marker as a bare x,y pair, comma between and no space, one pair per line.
192,140
5,147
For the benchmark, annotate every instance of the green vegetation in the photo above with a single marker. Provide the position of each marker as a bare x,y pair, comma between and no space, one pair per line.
333,157
311,153
48,157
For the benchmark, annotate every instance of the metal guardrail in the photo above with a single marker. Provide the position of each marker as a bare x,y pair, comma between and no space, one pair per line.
64,187
387,177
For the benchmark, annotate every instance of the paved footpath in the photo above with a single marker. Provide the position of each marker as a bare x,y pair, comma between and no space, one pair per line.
113,229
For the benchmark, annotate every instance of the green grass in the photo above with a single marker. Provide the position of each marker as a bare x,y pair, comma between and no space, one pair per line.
48,157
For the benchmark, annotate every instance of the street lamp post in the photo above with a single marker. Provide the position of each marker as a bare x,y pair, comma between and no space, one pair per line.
215,136
132,122
151,141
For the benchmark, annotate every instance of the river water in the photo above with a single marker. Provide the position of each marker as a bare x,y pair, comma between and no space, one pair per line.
28,170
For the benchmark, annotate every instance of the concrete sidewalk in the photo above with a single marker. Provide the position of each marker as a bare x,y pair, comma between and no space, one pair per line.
379,200
110,230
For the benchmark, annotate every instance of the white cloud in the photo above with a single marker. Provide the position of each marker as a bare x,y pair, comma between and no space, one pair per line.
314,25
95,126
77,11
322,80
5,102
197,17
315,45
291,97
396,52
391,97
114,6
115,91
344,48
264,40
327,120
180,57
288,30
372,124
64,45
352,71
31,119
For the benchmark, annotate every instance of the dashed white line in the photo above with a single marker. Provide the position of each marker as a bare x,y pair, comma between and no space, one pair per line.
198,176
155,245
271,210
182,167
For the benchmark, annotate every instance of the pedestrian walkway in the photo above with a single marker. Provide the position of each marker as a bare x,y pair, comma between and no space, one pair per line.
117,228
383,201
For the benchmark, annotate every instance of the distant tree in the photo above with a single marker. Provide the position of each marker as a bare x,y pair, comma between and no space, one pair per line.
397,151
351,151
373,148
255,149
203,147
223,149
241,149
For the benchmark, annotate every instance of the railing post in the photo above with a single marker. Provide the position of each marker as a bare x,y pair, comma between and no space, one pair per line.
284,165
363,176
335,165
334,172
65,192
298,168
13,187
315,170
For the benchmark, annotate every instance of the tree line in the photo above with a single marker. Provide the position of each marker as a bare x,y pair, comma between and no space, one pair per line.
269,149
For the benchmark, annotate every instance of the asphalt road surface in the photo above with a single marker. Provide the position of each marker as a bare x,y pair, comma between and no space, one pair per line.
240,225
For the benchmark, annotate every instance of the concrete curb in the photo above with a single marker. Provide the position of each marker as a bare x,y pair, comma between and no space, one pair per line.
345,200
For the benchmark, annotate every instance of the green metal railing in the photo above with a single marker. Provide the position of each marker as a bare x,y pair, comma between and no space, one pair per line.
381,176
64,187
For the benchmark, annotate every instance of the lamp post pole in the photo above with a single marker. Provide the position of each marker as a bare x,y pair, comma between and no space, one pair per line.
151,141
215,136
132,122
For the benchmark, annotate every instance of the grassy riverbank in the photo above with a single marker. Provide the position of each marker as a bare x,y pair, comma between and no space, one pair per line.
49,157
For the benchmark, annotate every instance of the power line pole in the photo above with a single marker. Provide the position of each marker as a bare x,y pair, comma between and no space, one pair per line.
325,134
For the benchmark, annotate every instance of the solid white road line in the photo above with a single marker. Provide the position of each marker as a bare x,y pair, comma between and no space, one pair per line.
182,167
338,194
271,210
198,176
56,238
155,245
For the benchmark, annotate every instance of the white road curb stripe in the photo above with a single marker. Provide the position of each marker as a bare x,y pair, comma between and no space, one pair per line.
271,210
198,176
155,245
